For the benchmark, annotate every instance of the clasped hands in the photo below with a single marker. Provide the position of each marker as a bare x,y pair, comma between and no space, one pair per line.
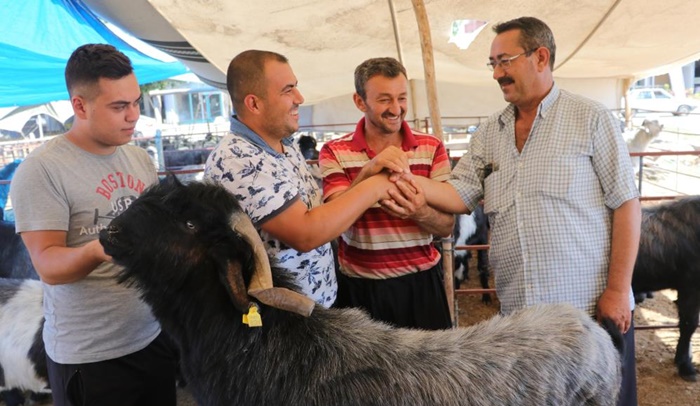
406,196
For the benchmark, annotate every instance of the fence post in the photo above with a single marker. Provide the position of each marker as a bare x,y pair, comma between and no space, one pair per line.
448,272
159,149
640,173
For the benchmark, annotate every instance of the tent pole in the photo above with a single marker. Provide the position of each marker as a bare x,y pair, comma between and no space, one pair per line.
397,35
626,83
399,54
428,66
40,121
431,89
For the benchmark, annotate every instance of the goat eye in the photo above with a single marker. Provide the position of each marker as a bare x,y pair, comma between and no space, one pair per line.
191,225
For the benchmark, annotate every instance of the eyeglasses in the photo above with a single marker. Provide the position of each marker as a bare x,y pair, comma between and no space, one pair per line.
504,63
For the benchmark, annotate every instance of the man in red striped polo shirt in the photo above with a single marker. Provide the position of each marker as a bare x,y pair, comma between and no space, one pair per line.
388,264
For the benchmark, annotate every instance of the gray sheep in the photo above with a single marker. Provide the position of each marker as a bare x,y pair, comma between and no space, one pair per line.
197,260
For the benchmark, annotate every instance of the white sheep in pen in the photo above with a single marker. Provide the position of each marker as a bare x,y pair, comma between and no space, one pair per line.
197,260
22,353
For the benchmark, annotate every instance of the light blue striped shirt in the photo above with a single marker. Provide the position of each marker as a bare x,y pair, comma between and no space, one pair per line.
550,206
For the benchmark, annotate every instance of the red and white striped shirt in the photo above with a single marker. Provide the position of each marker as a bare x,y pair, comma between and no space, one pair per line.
378,245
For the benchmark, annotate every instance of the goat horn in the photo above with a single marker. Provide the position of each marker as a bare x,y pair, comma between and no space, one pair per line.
260,286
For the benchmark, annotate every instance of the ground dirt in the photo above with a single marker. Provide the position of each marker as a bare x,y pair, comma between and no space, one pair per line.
658,382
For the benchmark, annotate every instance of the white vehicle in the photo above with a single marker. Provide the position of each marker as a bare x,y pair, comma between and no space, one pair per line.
646,100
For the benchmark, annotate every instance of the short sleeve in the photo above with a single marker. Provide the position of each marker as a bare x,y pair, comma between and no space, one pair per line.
37,202
335,179
260,184
468,175
612,162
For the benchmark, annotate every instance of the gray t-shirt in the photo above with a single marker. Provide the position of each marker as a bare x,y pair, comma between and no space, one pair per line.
62,187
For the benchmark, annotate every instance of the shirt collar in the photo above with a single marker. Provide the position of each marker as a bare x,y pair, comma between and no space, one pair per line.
359,142
243,131
549,100
545,106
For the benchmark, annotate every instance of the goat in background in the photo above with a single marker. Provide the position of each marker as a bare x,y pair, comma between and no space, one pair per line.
649,131
307,146
472,229
669,258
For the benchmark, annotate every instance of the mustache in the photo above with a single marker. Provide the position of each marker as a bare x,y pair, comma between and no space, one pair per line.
505,80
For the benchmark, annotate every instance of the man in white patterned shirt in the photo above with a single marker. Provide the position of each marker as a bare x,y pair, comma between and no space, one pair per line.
262,166
558,187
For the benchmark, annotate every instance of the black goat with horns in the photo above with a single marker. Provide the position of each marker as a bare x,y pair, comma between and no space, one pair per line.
200,264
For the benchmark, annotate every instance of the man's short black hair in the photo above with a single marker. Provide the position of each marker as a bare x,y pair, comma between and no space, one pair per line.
90,62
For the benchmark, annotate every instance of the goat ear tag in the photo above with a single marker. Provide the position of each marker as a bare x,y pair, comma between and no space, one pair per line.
252,319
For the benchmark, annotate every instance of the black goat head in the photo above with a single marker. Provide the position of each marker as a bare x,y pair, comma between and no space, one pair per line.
175,232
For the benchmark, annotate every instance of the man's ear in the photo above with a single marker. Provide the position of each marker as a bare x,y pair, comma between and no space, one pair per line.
542,54
359,103
252,103
79,107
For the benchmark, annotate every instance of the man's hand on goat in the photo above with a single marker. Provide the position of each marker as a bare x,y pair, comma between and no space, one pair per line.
615,305
96,250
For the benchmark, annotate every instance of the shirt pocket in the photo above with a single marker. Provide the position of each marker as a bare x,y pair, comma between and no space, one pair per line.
558,175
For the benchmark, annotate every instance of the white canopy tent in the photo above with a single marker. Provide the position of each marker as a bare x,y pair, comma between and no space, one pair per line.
16,119
602,45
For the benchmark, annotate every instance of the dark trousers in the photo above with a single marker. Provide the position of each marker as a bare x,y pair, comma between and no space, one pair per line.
416,300
628,389
146,377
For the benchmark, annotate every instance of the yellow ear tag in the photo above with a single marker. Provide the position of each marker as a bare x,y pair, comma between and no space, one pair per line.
252,319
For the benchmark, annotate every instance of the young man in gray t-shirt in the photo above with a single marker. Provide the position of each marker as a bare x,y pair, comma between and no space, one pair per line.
103,344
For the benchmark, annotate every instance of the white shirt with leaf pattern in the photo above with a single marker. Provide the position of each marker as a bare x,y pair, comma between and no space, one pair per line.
266,183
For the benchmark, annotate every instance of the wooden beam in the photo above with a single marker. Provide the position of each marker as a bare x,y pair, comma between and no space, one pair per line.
426,45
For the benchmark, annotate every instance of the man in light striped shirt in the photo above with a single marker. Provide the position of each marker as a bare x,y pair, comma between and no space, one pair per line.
558,187
388,265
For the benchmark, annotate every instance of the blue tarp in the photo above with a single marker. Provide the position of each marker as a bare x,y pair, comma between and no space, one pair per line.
37,38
